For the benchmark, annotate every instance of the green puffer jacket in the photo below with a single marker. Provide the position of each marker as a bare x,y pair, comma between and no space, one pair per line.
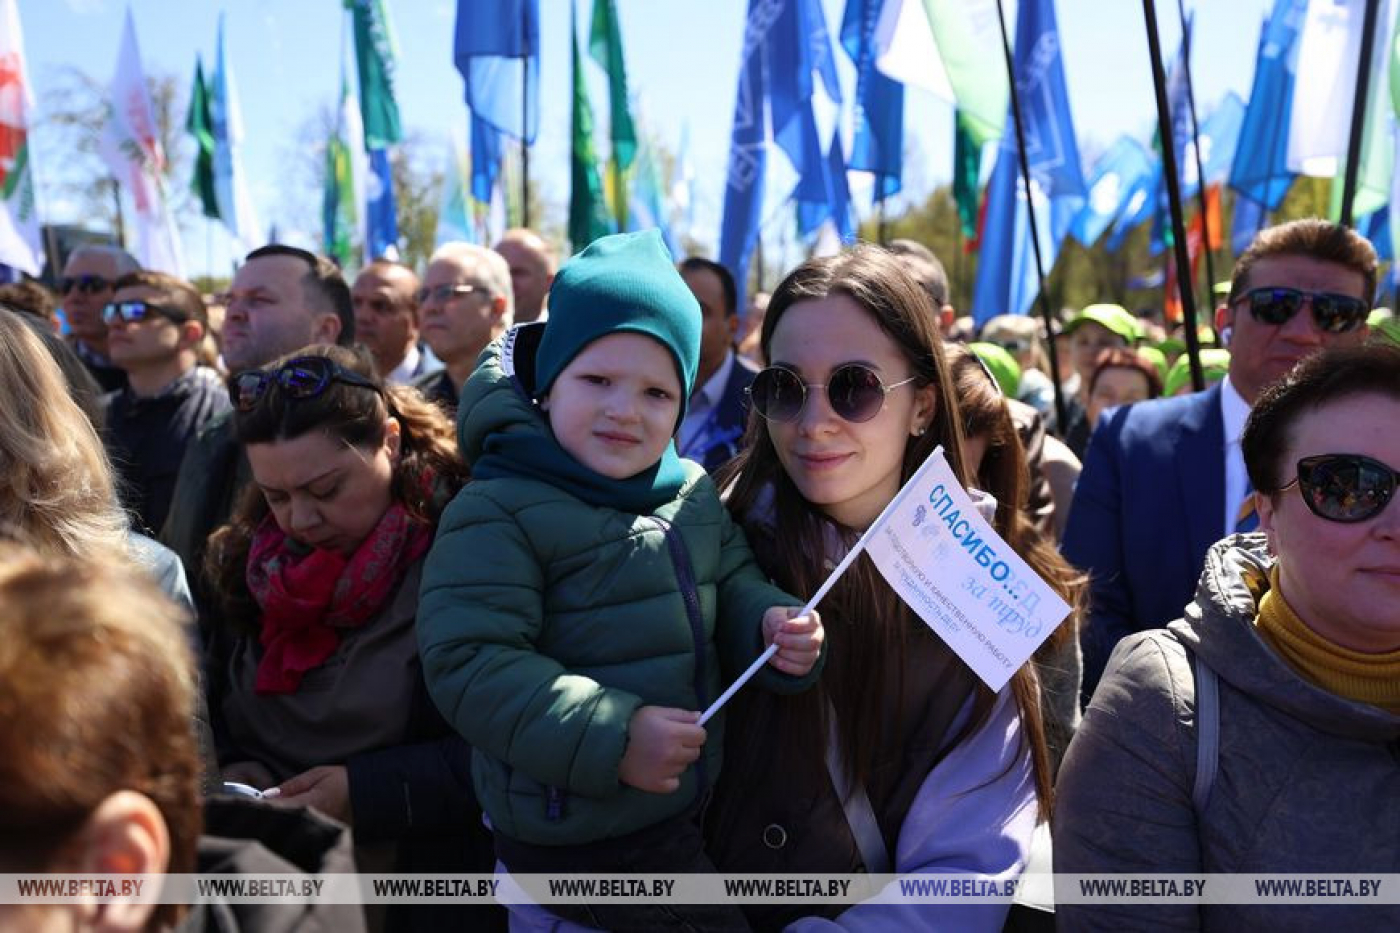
545,622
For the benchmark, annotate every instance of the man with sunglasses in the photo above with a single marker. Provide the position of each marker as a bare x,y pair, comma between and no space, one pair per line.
1164,480
155,324
85,290
1260,733
282,299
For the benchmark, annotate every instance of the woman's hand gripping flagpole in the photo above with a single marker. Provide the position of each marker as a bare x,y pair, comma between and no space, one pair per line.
841,568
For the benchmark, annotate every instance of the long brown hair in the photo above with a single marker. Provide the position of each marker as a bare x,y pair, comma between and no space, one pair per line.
428,473
865,621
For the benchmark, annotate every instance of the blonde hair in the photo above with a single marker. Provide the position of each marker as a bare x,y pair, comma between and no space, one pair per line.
56,486
97,691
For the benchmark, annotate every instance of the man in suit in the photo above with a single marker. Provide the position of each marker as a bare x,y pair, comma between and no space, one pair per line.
1163,480
719,408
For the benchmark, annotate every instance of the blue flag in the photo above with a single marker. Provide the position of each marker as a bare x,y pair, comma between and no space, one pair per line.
1220,138
878,145
497,51
1250,217
1122,171
382,231
831,199
748,161
486,158
1260,170
1006,273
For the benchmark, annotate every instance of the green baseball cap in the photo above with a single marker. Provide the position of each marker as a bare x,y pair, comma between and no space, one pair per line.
1156,357
1113,317
1003,367
1214,365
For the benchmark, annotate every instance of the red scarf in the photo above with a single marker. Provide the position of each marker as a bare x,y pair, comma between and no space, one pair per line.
308,596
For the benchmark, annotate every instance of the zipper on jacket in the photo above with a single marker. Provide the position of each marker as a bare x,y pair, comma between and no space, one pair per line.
690,595
554,804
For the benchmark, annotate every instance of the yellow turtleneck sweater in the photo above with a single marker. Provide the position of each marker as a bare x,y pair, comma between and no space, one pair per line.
1354,675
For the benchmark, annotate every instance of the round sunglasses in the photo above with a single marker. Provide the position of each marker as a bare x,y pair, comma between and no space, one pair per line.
855,392
1345,487
1333,314
302,378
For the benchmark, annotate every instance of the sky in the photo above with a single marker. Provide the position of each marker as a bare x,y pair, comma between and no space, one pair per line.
682,60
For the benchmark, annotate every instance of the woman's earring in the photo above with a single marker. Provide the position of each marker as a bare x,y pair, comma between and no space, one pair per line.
921,431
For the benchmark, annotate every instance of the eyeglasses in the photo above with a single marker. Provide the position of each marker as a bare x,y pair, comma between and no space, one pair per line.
1345,487
302,378
854,390
87,284
441,293
134,312
1334,314
1013,346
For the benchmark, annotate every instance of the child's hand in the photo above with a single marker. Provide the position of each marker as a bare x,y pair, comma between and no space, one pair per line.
661,743
799,639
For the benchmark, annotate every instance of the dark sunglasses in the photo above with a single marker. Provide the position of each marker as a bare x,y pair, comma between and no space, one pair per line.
854,390
87,284
1334,314
133,312
1345,487
302,378
443,293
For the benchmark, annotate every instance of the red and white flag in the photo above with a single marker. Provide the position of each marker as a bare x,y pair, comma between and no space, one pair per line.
131,147
21,243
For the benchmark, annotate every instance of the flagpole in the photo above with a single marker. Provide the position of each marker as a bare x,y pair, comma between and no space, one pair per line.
1358,110
1169,172
1061,414
1200,168
525,122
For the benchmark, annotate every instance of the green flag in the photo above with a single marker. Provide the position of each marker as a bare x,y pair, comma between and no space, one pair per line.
605,47
972,50
376,55
339,212
588,214
967,168
200,124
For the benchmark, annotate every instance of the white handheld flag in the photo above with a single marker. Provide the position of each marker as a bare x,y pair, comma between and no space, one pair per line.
20,244
943,559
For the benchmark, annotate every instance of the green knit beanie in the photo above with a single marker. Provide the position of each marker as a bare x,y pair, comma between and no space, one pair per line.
625,282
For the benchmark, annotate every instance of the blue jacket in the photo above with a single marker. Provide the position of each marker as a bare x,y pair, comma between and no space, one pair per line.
1147,508
723,434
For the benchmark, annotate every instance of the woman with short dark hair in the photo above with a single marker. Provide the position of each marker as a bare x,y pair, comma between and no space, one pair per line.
1260,733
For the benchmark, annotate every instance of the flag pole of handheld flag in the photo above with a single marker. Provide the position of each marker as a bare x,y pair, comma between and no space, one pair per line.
1200,166
1171,176
1061,413
1358,110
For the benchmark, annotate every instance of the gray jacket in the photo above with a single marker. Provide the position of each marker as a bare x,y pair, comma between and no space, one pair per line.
1307,781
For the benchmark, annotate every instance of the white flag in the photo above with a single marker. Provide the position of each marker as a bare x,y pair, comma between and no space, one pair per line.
20,237
1326,84
943,559
131,147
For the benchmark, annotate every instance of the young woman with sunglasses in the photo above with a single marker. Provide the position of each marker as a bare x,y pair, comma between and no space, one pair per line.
856,396
1289,657
314,681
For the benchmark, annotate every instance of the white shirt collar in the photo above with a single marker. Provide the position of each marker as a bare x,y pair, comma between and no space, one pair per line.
713,389
403,373
1234,411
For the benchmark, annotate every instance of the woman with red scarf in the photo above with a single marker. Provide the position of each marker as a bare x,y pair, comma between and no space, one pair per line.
314,679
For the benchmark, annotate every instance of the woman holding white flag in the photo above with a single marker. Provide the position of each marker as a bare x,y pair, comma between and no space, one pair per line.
940,775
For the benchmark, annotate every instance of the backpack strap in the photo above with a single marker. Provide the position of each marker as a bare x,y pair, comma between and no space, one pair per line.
1207,734
860,815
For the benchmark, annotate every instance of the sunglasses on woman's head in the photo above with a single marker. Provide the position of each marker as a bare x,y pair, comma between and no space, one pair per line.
133,312
855,392
1345,487
1333,314
302,378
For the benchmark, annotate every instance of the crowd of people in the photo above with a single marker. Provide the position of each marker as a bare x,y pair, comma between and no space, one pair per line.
435,574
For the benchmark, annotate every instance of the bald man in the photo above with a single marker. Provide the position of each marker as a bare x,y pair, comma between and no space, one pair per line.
532,263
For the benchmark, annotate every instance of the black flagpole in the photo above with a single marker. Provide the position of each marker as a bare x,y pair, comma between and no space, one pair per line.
524,122
1358,110
1061,415
1200,169
1169,172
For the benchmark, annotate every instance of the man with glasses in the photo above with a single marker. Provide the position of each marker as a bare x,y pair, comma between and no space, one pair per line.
282,299
466,302
155,323
85,289
1164,480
